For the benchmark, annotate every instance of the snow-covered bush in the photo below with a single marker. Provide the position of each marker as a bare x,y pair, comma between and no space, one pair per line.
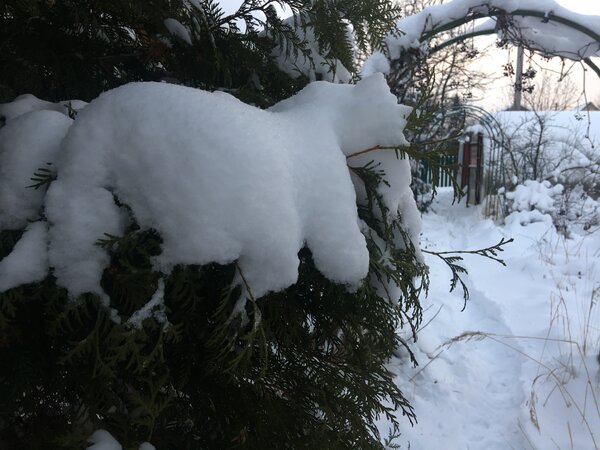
560,148
532,202
177,345
193,253
534,195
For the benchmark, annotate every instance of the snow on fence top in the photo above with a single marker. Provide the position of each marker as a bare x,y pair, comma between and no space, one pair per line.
543,25
218,179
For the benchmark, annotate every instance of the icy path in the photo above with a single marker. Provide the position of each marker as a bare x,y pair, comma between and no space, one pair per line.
477,367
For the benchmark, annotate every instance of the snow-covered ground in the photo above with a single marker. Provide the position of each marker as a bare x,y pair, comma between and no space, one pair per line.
518,367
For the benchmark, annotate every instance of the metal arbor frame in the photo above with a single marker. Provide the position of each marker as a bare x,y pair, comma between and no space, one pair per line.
494,147
501,15
410,58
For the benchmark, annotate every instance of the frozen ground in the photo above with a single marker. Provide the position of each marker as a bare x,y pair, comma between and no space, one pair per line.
518,367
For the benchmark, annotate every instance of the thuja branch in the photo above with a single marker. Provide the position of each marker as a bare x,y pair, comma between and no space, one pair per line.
452,258
403,149
367,150
43,176
489,252
398,149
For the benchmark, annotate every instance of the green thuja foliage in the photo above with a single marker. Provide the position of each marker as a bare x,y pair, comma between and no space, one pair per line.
163,358
453,260
303,368
65,49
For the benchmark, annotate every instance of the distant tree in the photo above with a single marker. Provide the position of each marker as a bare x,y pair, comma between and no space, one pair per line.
553,92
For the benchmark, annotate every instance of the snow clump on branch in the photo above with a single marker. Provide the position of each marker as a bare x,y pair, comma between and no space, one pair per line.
220,181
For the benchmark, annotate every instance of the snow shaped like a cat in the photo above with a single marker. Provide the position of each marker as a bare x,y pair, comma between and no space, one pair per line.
220,180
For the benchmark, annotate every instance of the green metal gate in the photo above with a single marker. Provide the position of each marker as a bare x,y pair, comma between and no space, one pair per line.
445,169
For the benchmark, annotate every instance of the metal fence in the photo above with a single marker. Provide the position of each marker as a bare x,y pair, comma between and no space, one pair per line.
444,170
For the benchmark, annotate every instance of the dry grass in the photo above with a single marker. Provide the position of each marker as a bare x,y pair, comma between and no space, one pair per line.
559,376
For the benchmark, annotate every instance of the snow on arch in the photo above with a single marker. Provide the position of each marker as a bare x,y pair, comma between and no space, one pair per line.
256,191
548,37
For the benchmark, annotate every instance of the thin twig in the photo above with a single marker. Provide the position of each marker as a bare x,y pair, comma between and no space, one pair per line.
367,150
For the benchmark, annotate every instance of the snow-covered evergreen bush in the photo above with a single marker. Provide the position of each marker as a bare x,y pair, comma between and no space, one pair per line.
188,270
533,201
189,283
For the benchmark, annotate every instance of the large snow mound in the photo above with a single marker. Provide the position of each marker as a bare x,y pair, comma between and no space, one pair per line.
220,181
103,440
28,262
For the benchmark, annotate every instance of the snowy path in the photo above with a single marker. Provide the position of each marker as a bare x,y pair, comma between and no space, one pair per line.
472,388
467,393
